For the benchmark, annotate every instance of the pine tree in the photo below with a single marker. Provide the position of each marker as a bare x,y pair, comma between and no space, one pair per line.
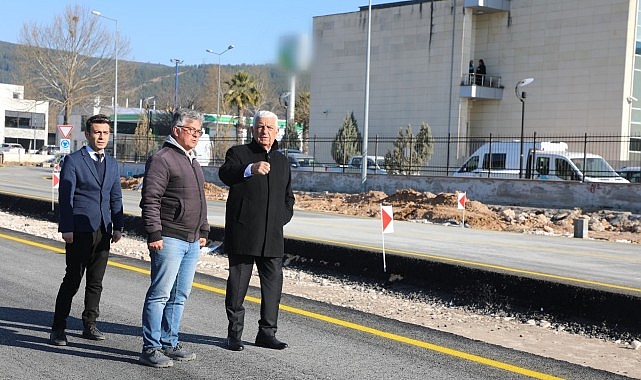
291,138
409,152
347,142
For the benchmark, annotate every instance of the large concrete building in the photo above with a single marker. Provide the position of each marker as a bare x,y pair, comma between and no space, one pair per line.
25,121
580,53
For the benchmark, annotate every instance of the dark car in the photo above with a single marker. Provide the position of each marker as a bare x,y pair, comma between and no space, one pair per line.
49,149
631,173
53,161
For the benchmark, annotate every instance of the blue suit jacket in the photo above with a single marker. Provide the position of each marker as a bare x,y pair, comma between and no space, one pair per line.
83,202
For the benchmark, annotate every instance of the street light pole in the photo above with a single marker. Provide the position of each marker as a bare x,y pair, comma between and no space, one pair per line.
218,96
521,95
97,13
177,62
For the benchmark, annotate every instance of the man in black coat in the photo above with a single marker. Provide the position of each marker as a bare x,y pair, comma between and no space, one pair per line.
259,204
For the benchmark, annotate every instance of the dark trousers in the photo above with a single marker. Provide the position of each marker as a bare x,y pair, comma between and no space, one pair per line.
88,253
270,272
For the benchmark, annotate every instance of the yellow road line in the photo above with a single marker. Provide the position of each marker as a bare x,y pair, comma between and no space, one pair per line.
478,264
337,321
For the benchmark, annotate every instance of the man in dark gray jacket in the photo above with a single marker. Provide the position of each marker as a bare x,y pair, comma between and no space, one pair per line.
174,213
259,204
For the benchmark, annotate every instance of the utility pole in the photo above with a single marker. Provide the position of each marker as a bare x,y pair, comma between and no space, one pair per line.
177,62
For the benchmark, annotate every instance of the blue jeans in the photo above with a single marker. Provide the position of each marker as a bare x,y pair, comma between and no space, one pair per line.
172,273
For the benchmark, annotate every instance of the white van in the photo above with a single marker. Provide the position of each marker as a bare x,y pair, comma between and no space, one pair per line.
544,161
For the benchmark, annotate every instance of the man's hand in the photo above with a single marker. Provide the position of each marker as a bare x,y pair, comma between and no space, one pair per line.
67,237
202,242
260,167
155,245
116,236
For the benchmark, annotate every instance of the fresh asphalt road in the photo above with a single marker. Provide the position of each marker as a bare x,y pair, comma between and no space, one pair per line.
326,342
614,267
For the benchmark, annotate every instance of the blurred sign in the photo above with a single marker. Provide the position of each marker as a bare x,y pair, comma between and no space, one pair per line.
294,53
65,146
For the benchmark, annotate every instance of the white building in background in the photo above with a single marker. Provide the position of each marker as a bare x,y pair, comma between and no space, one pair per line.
581,54
24,121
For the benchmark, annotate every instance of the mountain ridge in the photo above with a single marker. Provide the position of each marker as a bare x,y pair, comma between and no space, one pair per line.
196,83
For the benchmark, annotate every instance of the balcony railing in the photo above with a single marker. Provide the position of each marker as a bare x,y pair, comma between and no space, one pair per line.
479,86
487,6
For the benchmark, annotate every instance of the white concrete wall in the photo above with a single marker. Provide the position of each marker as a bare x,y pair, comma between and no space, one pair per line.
517,192
578,51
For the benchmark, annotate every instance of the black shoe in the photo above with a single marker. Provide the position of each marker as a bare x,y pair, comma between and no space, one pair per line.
270,342
235,344
92,332
58,338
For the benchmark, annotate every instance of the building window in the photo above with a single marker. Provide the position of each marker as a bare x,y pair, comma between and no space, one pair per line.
24,120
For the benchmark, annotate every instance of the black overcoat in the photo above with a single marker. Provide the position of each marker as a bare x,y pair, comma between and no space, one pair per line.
257,206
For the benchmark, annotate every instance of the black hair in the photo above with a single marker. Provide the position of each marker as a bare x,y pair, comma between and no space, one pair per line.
96,119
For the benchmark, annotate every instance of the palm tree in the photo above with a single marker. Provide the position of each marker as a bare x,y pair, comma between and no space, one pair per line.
241,94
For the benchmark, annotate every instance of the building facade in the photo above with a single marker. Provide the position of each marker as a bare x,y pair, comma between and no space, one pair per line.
25,121
581,55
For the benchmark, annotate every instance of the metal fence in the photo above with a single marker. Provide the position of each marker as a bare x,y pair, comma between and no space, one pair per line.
448,153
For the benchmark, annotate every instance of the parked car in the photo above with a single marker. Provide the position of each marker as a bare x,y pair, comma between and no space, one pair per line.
49,149
52,162
7,147
287,151
631,173
301,162
354,165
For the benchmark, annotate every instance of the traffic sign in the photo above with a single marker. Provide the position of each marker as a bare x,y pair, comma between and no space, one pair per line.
65,130
461,199
55,180
387,219
65,146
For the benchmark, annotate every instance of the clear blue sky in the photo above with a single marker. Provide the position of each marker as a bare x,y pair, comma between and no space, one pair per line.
158,31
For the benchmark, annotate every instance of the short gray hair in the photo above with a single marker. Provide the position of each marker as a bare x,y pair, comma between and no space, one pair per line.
182,114
264,114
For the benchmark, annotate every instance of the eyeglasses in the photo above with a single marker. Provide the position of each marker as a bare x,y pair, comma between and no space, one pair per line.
192,131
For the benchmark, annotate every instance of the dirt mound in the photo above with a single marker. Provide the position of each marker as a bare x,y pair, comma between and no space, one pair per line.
409,204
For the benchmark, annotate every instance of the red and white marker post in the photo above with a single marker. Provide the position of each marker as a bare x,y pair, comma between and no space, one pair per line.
387,222
461,198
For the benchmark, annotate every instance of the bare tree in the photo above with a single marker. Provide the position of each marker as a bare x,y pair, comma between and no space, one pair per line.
70,62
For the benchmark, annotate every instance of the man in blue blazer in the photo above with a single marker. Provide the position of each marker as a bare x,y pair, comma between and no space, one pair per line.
91,217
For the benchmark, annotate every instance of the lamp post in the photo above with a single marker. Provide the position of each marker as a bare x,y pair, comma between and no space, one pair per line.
97,13
177,62
521,95
218,96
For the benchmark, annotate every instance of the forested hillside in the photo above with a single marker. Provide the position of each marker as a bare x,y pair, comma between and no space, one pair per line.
197,84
